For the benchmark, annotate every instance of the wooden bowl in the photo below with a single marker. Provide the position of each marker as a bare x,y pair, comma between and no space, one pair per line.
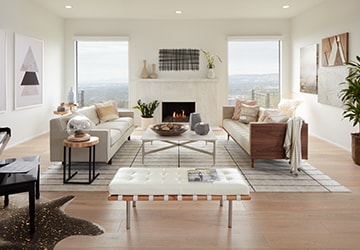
169,129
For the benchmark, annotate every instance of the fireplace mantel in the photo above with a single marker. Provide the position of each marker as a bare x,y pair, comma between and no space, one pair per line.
201,91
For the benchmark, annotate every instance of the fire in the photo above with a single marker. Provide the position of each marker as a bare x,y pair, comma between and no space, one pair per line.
180,115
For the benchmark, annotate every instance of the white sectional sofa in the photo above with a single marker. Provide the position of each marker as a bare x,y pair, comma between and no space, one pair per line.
112,133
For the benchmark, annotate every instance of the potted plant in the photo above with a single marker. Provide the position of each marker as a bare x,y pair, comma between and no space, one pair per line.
350,97
78,133
147,112
210,59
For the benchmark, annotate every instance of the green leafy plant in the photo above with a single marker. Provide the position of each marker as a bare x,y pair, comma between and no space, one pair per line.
210,58
147,109
350,95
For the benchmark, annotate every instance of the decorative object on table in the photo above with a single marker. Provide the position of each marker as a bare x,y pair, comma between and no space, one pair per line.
61,107
202,128
153,74
193,119
78,128
350,97
147,112
210,59
71,96
28,67
144,73
169,129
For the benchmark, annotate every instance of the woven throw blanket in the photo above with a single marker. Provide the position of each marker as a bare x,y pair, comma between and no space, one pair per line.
178,59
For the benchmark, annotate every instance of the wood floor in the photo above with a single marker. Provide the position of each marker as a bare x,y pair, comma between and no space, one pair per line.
268,221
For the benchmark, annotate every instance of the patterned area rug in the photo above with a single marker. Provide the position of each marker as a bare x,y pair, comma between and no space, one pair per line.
267,176
51,225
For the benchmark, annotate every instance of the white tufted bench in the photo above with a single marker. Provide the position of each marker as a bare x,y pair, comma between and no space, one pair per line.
171,184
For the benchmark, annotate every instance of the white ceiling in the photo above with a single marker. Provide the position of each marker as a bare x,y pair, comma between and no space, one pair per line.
165,9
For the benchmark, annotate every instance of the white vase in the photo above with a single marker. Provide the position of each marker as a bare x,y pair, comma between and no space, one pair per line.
211,73
146,122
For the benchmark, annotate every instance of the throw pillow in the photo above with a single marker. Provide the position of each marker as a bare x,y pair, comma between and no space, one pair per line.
106,111
288,106
277,118
249,113
238,106
265,113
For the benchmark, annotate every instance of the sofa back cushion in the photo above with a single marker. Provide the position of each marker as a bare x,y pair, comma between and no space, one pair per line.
89,112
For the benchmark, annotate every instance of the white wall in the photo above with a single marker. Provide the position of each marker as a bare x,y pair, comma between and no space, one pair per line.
146,37
330,18
25,18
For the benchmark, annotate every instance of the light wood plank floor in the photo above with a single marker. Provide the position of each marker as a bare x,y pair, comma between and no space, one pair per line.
268,221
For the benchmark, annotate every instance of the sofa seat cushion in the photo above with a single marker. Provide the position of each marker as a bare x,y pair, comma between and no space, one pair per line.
128,120
239,131
120,126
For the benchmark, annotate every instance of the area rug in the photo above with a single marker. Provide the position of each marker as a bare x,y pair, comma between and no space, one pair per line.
267,176
51,226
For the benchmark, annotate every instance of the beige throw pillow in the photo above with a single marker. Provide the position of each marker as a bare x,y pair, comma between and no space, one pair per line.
238,106
106,111
249,113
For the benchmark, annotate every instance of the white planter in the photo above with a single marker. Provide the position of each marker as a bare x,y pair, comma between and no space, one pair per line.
211,73
145,122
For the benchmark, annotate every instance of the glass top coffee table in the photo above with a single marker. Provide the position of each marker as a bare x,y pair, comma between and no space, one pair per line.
182,140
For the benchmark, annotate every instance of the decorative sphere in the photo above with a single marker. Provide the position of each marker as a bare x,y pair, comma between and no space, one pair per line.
79,123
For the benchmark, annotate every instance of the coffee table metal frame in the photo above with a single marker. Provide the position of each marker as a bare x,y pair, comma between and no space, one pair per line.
181,140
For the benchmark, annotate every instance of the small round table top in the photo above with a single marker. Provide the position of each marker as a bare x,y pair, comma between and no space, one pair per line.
81,144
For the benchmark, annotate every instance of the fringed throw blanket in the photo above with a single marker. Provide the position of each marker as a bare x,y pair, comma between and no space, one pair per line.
178,59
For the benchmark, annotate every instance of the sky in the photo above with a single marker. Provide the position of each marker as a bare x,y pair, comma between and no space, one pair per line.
110,58
105,58
249,57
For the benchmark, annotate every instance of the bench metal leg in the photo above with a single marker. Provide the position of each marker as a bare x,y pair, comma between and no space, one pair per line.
128,214
230,214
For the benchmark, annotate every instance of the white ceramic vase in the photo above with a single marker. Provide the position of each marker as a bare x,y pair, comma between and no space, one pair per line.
211,73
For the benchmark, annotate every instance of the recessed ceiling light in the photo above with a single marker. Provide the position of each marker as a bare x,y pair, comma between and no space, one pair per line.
286,6
68,6
178,12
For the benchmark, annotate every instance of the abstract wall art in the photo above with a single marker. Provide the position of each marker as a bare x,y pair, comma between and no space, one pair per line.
335,50
2,70
28,71
309,69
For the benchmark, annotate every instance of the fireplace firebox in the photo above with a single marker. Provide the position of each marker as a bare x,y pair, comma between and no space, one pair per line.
177,111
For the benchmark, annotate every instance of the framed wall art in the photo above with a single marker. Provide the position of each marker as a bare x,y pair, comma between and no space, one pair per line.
28,71
179,59
335,50
2,71
309,69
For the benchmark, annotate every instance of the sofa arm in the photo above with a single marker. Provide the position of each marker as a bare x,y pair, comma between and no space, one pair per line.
267,139
228,111
126,113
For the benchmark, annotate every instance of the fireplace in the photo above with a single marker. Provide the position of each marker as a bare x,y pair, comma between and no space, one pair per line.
177,111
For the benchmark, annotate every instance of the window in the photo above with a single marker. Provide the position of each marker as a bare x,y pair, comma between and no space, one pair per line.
102,71
254,71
